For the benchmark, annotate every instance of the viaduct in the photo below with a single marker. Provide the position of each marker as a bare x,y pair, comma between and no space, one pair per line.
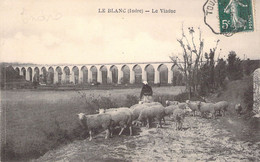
102,73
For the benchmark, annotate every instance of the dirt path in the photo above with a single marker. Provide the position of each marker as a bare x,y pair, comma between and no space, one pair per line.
203,142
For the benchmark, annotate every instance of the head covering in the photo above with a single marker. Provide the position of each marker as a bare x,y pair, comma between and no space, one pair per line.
145,82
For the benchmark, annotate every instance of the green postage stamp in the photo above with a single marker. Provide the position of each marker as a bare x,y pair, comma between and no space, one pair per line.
229,16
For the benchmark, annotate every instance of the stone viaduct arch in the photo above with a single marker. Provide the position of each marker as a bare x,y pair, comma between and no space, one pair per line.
117,73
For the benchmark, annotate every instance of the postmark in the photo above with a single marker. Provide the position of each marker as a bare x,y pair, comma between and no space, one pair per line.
229,16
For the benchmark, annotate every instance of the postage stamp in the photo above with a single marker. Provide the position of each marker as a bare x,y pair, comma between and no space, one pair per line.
229,16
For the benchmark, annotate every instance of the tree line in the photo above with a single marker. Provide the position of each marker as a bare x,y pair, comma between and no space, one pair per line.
203,72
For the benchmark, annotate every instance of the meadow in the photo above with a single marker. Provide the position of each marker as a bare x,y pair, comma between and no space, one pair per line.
36,121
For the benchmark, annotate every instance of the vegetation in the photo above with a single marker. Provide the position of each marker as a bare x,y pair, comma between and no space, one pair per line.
204,77
192,65
234,67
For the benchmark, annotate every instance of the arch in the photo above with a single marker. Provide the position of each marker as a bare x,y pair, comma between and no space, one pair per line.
126,75
150,73
50,75
23,72
178,78
36,75
93,70
17,70
83,75
29,74
138,73
66,72
114,71
59,74
103,70
75,75
43,75
163,74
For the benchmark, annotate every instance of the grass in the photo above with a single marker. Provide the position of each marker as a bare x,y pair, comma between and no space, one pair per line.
38,121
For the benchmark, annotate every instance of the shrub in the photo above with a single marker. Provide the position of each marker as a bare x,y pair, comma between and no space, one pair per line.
234,67
182,97
131,100
93,103
162,98
106,102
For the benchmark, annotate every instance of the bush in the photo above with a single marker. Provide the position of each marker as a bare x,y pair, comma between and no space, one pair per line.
183,97
93,103
162,98
234,67
131,100
106,102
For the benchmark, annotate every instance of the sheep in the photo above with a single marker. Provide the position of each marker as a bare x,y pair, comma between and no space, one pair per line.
169,110
102,110
136,109
140,102
178,116
168,103
238,109
121,117
207,108
91,122
182,105
152,112
152,103
193,105
221,106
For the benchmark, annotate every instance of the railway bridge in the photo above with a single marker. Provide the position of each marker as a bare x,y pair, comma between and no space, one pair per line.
118,73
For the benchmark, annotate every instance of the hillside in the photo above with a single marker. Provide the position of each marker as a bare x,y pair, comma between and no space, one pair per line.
234,92
243,127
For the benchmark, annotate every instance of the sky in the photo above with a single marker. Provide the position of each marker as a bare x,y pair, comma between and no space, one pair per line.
73,32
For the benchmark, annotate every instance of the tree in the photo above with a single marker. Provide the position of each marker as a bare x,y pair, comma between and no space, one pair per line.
234,67
249,66
190,51
192,59
207,81
220,73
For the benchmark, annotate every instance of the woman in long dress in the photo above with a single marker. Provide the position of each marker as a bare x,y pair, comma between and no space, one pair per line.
232,9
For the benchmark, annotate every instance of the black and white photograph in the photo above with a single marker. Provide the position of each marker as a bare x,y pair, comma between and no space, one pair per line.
129,80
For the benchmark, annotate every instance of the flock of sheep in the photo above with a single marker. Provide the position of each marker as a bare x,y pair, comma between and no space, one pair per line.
145,113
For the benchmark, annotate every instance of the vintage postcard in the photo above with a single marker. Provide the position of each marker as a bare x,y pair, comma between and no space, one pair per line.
129,80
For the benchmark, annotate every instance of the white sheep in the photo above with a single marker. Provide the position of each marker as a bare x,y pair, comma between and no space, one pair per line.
207,108
168,103
178,117
136,109
91,122
152,103
140,102
152,112
121,117
168,110
193,105
221,107
182,105
102,110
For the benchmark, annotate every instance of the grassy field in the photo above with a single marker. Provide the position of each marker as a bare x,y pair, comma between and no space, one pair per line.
37,121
